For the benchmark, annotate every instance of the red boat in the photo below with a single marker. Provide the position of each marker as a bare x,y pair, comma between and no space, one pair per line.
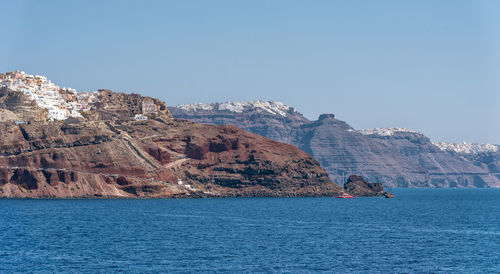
344,195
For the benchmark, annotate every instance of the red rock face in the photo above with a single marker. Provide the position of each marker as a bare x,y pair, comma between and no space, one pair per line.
125,158
160,155
237,163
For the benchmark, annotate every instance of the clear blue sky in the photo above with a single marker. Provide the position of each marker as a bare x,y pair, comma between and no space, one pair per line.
432,66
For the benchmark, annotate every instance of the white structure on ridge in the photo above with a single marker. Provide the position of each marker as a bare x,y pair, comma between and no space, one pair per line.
277,108
140,117
467,148
384,131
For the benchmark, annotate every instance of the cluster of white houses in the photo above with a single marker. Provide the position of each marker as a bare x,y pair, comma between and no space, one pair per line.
61,103
45,93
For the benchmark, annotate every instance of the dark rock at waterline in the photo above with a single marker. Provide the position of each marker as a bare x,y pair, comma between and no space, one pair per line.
357,186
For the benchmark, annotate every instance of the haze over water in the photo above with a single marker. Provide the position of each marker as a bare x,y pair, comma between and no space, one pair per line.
421,230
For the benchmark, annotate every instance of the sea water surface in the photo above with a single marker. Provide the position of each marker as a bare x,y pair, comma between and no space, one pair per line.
420,230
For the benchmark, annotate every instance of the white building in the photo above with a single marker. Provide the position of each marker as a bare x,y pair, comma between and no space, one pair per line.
140,117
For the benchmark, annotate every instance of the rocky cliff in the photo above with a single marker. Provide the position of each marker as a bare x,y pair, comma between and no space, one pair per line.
397,157
273,120
17,106
109,151
357,186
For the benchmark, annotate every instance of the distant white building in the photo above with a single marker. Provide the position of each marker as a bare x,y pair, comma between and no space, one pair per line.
140,117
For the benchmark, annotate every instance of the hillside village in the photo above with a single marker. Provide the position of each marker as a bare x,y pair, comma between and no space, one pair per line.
467,148
60,102
272,107
384,131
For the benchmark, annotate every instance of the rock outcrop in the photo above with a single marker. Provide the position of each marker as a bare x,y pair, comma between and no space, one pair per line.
396,157
17,106
357,186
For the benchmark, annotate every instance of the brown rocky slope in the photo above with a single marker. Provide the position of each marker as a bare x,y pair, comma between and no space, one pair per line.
109,154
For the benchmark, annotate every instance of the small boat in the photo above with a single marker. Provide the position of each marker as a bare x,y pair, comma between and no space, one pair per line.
344,195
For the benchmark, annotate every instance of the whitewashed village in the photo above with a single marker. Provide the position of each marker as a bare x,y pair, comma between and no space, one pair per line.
60,102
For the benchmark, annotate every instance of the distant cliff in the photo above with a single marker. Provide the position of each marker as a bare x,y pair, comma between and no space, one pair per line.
397,157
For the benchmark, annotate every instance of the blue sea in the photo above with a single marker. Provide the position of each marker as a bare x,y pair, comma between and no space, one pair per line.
420,230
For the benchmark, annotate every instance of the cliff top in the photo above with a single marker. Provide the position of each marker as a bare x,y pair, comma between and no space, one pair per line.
385,131
467,148
272,107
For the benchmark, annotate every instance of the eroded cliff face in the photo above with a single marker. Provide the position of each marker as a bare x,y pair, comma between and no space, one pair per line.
146,159
272,121
16,106
107,153
402,159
